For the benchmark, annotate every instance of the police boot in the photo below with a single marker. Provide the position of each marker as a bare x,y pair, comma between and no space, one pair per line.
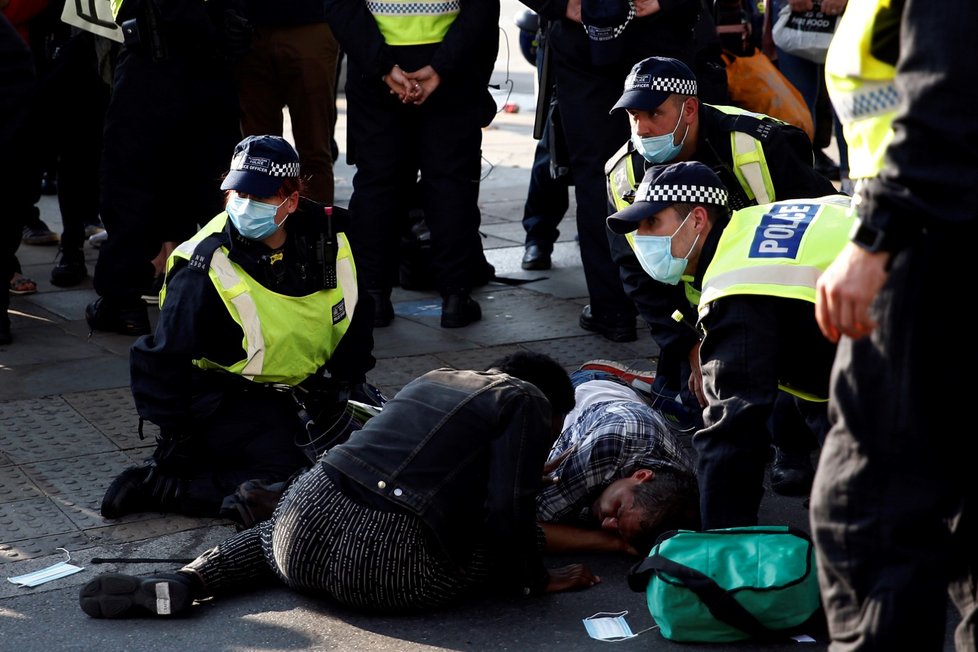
128,494
459,309
792,473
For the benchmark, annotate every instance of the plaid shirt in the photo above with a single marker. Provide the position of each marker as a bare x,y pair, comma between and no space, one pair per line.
610,440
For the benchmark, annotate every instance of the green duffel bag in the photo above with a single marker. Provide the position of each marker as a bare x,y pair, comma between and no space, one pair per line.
730,585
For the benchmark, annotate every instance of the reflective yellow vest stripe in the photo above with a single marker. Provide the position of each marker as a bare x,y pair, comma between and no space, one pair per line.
861,86
778,250
749,164
413,22
286,339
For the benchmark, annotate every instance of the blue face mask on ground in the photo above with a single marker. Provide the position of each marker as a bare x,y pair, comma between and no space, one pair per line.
253,219
660,149
654,253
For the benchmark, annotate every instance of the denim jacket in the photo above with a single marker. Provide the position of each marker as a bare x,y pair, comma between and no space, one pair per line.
464,451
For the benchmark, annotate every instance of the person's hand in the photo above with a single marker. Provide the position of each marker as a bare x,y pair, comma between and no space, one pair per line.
801,5
846,290
566,578
646,7
423,82
696,375
573,10
399,84
833,7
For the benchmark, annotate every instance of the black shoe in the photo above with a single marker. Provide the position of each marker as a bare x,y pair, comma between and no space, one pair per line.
114,595
791,473
70,269
825,166
536,258
128,494
383,308
130,318
616,327
458,310
38,233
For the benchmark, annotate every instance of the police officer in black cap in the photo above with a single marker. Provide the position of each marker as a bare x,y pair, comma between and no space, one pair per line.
753,276
259,309
759,159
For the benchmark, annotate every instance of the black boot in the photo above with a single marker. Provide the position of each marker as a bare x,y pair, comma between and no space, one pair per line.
124,317
458,309
70,269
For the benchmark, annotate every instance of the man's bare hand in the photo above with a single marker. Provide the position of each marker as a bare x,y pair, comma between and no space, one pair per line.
833,7
573,10
646,7
696,375
567,578
399,84
424,82
846,290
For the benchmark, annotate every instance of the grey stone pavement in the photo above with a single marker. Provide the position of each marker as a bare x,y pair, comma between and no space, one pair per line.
67,426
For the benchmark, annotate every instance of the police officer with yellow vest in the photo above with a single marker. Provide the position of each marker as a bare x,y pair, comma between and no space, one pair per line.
893,504
758,158
756,272
417,90
259,308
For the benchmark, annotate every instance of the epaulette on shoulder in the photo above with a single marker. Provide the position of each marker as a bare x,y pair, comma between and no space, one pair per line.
200,260
760,128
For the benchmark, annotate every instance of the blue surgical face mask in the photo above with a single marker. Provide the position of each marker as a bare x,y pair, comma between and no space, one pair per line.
654,253
660,149
253,219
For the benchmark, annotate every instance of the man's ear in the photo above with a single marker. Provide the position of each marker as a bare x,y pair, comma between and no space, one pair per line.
644,475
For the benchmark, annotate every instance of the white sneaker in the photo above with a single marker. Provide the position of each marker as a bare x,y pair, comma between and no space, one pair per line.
97,239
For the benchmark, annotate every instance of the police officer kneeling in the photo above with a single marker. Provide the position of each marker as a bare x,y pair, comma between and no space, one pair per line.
259,308
755,271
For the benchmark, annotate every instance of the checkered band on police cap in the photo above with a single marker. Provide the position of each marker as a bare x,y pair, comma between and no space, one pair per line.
688,182
644,81
681,193
260,164
652,80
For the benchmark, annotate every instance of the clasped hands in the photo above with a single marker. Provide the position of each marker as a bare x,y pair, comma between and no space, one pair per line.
412,87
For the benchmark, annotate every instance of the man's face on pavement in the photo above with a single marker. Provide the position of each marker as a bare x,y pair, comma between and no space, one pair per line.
615,508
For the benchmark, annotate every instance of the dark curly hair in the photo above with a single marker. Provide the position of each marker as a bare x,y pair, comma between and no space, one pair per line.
670,501
542,371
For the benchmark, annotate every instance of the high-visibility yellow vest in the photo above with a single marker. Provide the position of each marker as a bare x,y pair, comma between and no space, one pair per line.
778,250
285,339
749,166
413,22
861,86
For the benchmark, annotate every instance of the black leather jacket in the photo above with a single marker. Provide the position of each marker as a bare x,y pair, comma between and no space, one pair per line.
464,451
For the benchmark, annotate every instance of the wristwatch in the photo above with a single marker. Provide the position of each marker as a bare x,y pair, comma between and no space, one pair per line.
869,237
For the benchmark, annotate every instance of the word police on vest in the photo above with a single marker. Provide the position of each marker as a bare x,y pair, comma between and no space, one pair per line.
781,230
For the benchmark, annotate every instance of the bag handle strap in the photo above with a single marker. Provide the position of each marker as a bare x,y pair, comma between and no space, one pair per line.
718,600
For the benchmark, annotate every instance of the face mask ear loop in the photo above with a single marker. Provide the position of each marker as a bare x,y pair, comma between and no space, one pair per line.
67,555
